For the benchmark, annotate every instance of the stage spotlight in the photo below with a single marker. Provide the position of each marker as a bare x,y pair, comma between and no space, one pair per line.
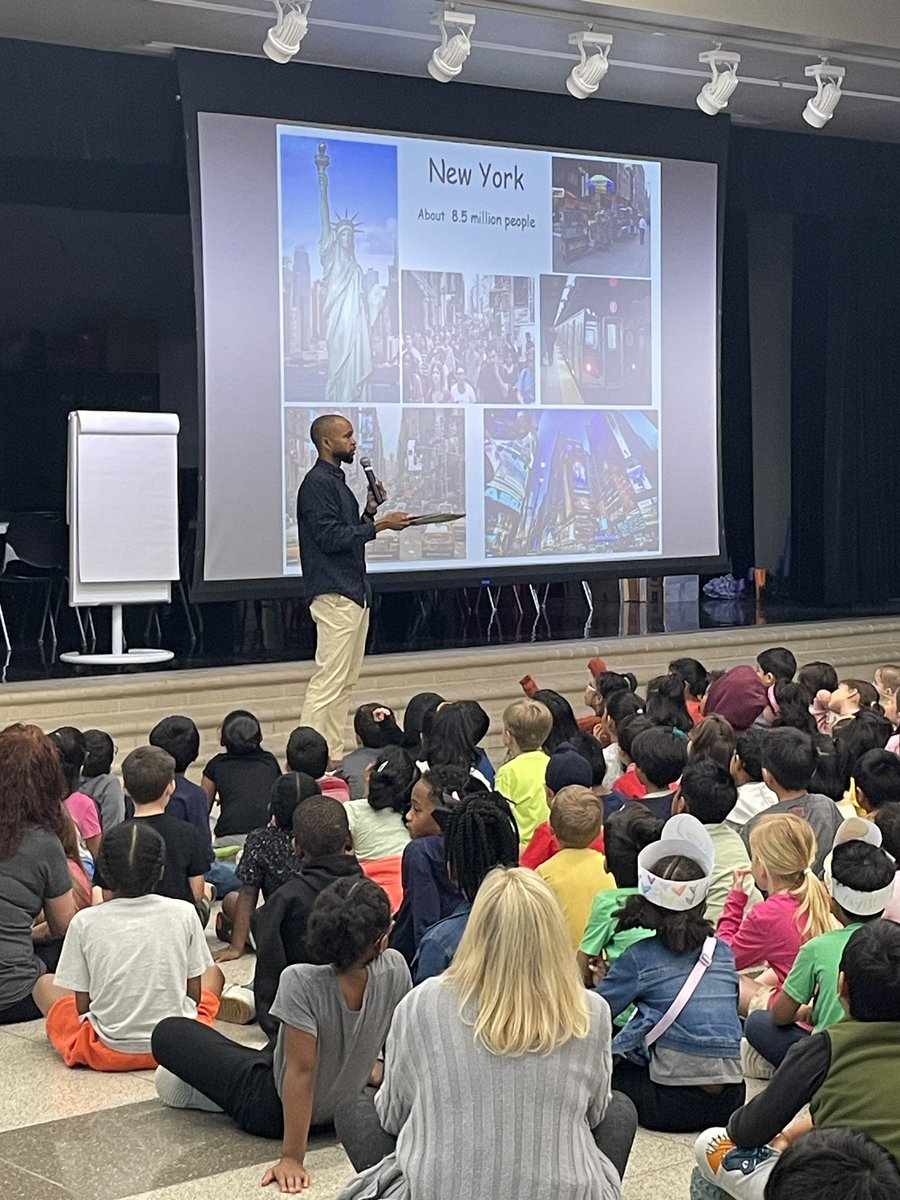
714,96
586,76
447,60
283,39
820,109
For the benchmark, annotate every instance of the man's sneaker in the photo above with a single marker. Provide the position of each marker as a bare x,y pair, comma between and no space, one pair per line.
237,1005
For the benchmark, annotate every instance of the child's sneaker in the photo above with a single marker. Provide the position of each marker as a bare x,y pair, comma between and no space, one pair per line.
237,1005
702,1189
735,1171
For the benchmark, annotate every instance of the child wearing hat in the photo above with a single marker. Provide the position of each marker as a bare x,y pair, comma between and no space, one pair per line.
679,1057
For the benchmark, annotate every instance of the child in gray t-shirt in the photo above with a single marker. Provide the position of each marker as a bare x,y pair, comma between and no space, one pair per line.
334,1022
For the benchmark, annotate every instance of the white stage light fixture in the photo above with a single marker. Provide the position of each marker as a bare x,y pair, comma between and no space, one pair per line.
447,60
586,76
714,96
820,109
283,39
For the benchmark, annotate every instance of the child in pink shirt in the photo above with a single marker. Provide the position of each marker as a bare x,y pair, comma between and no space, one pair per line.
70,743
783,849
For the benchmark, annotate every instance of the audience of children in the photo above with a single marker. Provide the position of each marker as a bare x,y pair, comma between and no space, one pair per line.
97,780
497,1074
324,850
522,778
374,727
678,1058
846,1074
333,1014
636,902
481,834
130,962
241,778
783,850
576,872
267,861
861,885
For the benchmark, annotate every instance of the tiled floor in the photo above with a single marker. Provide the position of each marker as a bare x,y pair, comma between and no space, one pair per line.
75,1135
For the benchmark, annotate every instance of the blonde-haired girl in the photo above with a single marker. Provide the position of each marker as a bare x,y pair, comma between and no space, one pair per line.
783,849
498,1071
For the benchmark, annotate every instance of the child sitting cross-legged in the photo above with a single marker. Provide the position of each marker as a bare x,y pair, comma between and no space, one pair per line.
565,769
659,756
332,1019
678,1058
861,883
130,962
267,862
846,1074
577,872
796,908
378,819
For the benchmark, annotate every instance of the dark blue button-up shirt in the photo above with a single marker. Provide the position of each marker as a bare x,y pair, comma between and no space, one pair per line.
333,535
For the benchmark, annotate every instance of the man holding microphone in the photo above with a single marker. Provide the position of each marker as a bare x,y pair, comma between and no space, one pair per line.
333,535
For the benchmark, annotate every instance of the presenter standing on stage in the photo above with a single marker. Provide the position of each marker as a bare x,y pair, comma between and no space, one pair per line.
333,535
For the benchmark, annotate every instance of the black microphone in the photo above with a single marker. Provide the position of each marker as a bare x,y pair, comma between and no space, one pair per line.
377,493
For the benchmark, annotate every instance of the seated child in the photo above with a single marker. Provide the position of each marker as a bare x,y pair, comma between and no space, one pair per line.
796,908
695,678
591,749
776,665
846,1074
69,741
180,737
628,729
886,681
619,706
848,698
788,762
267,861
481,834
659,757
97,780
375,728
565,768
815,1159
713,737
877,776
378,820
149,776
577,872
129,963
708,793
630,831
332,1022
307,752
860,881
241,778
522,778
429,895
746,771
738,695
324,850
819,677
478,724
678,1059
666,704
887,818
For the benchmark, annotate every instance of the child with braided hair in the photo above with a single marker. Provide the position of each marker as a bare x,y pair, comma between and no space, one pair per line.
130,962
481,834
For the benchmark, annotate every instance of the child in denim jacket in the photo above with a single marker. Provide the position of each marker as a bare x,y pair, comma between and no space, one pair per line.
694,1066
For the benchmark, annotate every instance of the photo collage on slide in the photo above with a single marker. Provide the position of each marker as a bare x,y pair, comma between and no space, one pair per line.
527,401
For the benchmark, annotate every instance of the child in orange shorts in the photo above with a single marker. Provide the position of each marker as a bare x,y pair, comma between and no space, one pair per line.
130,962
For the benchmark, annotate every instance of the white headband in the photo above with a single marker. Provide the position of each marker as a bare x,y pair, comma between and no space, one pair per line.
857,904
682,835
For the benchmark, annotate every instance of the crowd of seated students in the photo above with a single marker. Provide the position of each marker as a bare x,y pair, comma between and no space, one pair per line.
615,925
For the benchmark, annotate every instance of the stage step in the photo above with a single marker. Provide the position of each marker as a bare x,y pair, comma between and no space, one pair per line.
127,706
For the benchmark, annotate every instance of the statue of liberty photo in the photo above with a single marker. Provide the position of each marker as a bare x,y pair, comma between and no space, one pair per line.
350,309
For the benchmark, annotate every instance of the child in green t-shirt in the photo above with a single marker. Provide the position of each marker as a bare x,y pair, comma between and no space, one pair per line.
861,881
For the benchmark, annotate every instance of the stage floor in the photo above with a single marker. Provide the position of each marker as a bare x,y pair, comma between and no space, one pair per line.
270,631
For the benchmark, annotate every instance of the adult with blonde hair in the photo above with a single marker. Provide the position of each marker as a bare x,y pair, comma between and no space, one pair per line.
497,1073
783,850
34,873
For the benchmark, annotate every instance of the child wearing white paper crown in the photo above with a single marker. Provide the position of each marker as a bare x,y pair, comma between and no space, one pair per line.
679,1057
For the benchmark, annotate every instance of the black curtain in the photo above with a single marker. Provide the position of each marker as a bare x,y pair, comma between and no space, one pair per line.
736,393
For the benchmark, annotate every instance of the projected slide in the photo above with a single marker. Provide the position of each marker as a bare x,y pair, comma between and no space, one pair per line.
526,336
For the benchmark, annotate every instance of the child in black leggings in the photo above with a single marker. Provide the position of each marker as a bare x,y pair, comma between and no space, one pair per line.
334,1021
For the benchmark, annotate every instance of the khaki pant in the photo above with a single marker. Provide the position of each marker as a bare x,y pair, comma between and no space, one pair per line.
341,628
